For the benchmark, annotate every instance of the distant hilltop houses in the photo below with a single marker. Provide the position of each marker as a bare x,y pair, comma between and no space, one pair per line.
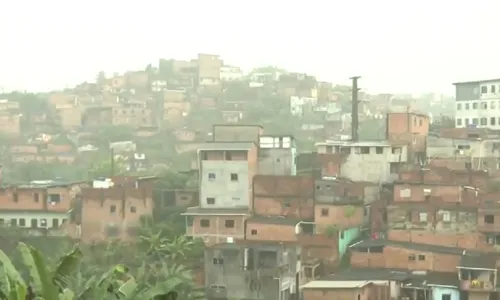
291,187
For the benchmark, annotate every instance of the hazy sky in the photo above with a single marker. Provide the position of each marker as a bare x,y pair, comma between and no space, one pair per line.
395,45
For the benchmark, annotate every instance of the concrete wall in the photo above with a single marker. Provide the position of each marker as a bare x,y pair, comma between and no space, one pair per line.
371,167
28,217
216,183
439,292
250,273
277,162
369,163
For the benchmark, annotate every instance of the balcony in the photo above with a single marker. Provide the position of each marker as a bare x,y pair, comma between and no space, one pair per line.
476,285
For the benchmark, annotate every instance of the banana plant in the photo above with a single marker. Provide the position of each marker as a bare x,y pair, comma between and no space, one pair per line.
45,283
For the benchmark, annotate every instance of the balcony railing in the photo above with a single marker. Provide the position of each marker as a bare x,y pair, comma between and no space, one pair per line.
476,285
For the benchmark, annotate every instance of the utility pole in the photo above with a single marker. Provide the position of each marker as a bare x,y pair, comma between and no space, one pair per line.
354,113
112,171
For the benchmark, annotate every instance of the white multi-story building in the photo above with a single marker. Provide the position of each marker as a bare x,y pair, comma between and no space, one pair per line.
478,104
228,73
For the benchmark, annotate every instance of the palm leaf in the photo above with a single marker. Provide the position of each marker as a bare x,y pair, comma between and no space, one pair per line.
38,271
9,269
67,266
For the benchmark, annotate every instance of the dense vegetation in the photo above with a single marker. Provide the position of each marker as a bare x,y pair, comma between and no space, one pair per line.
160,262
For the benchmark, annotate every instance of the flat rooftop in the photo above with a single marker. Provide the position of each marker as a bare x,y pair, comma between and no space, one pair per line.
477,81
328,284
226,146
356,144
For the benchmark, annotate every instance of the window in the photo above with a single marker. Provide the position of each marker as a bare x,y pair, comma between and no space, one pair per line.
379,150
405,193
489,219
55,223
43,223
205,223
484,89
475,121
396,150
493,89
421,257
393,167
341,234
210,200
36,197
54,198
411,257
467,106
467,121
22,222
34,223
493,104
234,177
211,176
324,212
218,261
254,232
492,121
133,209
365,150
15,197
229,224
446,297
459,122
484,105
357,150
422,217
446,216
484,121
459,106
2,222
345,150
474,105
329,149
420,122
112,209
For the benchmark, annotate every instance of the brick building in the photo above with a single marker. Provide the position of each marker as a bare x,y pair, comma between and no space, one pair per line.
411,129
39,208
112,209
406,256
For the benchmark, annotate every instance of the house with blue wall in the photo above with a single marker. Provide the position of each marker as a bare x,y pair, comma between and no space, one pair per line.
345,237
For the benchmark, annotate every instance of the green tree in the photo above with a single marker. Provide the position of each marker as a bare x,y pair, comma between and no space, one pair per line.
107,167
118,282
